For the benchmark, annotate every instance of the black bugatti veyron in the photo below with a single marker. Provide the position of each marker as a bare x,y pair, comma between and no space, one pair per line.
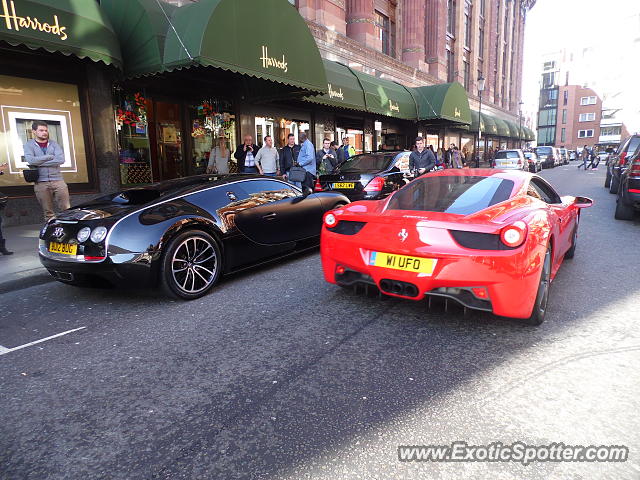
183,234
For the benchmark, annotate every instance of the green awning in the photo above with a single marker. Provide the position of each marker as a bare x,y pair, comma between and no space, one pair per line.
487,126
447,101
141,26
262,38
343,86
386,97
502,127
71,27
514,129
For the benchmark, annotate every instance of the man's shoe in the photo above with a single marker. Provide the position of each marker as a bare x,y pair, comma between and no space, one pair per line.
3,248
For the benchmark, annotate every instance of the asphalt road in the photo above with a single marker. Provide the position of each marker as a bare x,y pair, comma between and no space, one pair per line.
277,375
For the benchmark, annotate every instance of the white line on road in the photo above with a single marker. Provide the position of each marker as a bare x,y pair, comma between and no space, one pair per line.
4,350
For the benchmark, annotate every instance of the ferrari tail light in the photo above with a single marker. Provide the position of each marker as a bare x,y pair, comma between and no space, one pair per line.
318,186
375,185
514,235
480,292
330,220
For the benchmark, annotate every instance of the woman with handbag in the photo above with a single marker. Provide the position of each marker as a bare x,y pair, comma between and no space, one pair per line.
3,203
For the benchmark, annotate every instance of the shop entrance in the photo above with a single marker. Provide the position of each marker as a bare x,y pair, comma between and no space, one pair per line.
168,130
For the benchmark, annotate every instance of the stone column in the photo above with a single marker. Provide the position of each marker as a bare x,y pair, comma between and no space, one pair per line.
413,17
360,21
435,44
99,83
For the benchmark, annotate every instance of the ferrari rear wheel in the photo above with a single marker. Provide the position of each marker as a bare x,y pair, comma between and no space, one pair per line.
574,239
191,265
542,297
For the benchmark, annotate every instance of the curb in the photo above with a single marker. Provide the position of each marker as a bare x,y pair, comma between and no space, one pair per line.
26,279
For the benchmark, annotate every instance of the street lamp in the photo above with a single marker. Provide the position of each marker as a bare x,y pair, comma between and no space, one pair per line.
480,90
520,118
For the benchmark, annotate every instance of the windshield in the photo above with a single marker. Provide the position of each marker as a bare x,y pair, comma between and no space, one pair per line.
543,150
461,195
364,163
507,155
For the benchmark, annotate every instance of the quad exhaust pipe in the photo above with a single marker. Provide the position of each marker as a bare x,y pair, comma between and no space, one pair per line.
397,287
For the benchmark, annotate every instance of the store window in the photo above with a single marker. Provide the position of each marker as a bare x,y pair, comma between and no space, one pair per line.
133,139
212,126
23,101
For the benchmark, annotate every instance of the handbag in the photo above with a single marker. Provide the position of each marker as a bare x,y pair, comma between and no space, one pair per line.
30,175
297,173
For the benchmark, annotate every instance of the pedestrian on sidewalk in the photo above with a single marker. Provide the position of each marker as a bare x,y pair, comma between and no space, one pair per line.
585,156
456,158
3,203
289,155
422,159
326,158
47,156
245,154
267,159
307,160
219,157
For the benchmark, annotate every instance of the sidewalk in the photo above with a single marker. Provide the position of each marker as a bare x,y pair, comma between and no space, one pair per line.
22,269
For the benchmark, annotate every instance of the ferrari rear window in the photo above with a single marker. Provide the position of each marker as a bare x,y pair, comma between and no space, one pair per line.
462,195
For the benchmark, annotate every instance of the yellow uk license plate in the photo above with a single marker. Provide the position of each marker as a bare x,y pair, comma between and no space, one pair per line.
344,185
65,248
403,262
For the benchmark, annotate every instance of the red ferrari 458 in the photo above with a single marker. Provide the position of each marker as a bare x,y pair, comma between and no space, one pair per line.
491,240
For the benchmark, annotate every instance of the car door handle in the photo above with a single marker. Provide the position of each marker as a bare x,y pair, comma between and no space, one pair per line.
270,216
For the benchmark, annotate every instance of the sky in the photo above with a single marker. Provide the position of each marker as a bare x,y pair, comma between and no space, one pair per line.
611,28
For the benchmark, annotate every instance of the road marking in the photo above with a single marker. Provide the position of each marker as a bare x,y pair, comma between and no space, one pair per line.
4,350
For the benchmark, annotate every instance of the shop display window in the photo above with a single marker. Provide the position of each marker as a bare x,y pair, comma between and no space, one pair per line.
25,100
133,139
211,124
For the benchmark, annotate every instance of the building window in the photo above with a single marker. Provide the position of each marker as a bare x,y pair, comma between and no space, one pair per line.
451,17
547,117
587,100
564,117
467,24
587,117
466,75
60,105
450,66
546,135
548,80
385,30
609,131
481,38
566,97
482,8
563,135
585,133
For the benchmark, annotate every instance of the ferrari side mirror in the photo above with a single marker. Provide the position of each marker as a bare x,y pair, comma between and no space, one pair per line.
583,202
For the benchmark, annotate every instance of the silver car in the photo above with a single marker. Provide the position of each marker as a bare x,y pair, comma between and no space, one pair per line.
511,159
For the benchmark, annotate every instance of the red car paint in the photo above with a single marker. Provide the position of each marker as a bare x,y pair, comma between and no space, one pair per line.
510,277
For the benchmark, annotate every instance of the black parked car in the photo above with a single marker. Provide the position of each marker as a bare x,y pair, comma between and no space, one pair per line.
628,201
617,161
183,234
370,176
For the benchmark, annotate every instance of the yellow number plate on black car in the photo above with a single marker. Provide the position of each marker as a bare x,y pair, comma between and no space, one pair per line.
66,248
344,185
403,262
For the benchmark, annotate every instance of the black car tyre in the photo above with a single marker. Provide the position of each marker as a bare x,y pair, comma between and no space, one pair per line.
623,211
542,297
574,240
614,185
607,179
191,265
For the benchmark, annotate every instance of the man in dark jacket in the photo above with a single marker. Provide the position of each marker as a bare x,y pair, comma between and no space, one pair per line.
289,155
245,154
421,159
326,158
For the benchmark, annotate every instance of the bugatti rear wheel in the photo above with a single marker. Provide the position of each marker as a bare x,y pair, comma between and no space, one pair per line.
191,265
